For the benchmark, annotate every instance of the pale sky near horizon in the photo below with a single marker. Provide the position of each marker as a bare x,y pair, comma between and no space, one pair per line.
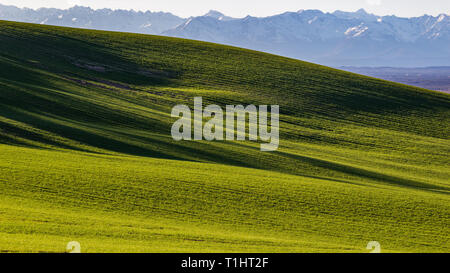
260,8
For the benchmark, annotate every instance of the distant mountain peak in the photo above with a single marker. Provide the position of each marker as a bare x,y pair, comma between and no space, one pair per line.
217,15
214,13
311,11
77,7
441,17
362,11
359,14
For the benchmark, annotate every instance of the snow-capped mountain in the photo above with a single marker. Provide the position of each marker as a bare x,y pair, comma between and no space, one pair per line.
334,39
358,39
218,15
102,19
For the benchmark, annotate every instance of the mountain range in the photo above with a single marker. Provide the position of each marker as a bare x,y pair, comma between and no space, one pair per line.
334,39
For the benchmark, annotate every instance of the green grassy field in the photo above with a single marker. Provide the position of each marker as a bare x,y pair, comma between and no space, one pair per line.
86,152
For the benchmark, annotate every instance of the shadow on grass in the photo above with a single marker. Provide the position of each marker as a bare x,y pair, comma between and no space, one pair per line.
367,174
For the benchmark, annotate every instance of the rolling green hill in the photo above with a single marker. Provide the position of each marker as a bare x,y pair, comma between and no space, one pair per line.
86,152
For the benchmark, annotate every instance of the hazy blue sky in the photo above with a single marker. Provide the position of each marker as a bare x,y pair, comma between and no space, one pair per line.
241,8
